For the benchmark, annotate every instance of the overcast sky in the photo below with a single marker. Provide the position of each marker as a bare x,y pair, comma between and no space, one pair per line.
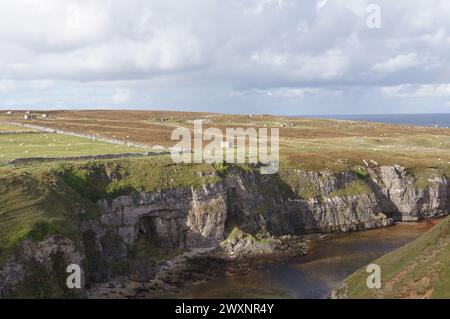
235,56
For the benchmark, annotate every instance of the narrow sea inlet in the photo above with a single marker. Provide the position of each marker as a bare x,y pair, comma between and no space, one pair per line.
329,261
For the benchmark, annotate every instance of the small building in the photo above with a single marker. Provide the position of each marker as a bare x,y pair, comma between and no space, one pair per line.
44,116
9,112
27,112
29,117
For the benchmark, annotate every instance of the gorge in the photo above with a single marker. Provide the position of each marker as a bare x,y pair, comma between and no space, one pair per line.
161,237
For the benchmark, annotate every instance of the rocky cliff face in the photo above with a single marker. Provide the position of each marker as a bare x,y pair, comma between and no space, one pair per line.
268,205
407,197
133,229
38,269
265,206
190,218
177,218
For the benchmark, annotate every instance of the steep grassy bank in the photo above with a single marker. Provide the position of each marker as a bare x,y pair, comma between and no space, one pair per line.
34,205
37,201
418,270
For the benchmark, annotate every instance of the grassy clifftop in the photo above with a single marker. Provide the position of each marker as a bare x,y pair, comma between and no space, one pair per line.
417,270
40,200
34,205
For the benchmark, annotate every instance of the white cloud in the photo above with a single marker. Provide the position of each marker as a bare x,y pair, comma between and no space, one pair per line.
321,4
268,58
408,90
261,5
331,64
7,85
328,65
199,48
400,62
286,92
121,96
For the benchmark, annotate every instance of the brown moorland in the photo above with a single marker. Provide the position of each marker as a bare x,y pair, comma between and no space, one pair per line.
304,142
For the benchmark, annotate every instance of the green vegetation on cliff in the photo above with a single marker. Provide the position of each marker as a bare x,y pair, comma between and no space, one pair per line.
109,179
425,177
37,201
358,187
34,206
417,270
302,185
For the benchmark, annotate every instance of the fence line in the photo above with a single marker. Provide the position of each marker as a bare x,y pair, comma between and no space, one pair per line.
88,136
26,160
18,132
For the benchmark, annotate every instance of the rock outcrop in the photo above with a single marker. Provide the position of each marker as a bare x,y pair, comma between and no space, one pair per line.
38,269
177,218
407,197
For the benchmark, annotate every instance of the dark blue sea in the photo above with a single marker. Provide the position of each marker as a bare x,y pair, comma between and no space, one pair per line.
443,120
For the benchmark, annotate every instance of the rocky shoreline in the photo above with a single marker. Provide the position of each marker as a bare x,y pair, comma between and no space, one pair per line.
201,264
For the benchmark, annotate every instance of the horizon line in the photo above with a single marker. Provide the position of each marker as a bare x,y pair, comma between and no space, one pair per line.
200,111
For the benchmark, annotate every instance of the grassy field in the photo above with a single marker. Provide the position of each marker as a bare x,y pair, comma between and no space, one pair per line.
14,128
313,144
14,146
418,270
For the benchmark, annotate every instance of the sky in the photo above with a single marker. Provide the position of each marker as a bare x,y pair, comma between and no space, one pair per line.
290,57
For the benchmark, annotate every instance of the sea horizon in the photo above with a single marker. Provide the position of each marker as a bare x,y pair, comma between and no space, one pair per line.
415,119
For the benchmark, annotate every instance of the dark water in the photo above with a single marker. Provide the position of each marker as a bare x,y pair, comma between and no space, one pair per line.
443,120
328,262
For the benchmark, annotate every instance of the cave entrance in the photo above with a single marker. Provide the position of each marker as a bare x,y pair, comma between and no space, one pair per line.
164,229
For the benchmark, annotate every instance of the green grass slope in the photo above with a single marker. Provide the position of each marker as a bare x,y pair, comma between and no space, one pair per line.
40,200
14,146
13,128
35,206
418,270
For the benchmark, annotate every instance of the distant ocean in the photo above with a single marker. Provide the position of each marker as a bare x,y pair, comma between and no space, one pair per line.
443,120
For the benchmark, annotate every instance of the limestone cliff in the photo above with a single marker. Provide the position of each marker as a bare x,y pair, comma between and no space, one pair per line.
269,205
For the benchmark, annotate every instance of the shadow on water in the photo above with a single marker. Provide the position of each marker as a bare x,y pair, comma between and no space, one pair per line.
328,262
